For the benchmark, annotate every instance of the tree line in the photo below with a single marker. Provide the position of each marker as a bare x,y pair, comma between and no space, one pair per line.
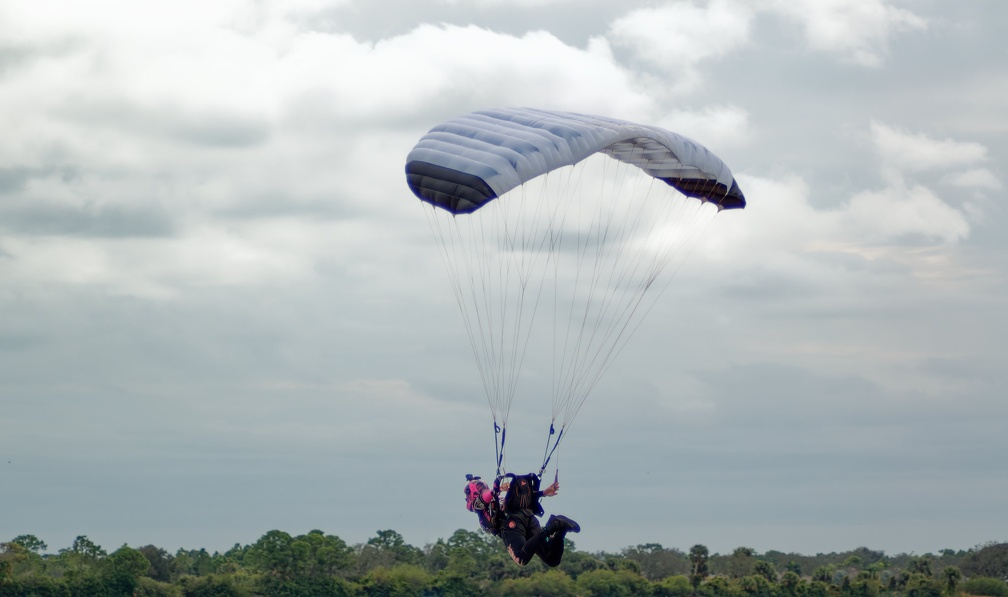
472,563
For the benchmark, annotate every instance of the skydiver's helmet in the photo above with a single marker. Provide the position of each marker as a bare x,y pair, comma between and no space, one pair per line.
477,493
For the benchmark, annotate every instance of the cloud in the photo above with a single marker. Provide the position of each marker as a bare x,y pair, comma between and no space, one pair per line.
979,178
859,32
896,212
677,37
910,208
719,126
917,152
179,152
801,248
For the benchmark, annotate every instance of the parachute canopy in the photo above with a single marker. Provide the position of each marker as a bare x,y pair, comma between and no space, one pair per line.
555,229
462,164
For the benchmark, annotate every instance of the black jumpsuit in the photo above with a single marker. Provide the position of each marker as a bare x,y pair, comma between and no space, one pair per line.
523,536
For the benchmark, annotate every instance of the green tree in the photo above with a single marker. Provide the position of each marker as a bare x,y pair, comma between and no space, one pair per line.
921,585
160,562
122,570
551,583
719,586
148,587
920,565
824,574
83,555
818,588
17,560
755,585
272,554
791,584
952,576
436,556
875,569
860,586
610,583
214,586
318,555
403,580
673,586
766,570
657,562
983,585
616,563
457,578
386,549
31,543
698,560
741,562
575,563
991,561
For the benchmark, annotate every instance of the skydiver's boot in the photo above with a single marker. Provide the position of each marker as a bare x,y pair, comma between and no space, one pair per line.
558,523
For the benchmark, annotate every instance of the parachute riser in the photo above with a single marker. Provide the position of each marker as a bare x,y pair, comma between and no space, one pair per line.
549,453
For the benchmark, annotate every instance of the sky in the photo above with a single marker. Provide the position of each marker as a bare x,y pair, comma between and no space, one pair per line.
222,310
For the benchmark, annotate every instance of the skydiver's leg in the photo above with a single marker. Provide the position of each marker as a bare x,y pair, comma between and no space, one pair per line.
520,549
551,550
523,538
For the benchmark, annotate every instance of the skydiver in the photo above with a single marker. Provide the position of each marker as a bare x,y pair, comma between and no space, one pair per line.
512,517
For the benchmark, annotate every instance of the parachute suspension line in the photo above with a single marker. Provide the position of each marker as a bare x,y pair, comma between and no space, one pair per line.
615,248
609,242
614,308
563,380
529,262
615,335
445,235
685,213
471,285
480,305
568,192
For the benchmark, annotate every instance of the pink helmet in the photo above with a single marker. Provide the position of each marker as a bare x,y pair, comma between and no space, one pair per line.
477,494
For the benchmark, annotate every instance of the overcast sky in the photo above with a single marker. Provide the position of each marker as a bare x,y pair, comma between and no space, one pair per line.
222,311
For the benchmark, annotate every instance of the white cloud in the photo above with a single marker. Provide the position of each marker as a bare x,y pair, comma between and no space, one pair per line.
895,212
977,178
781,231
859,31
676,37
209,125
718,126
917,152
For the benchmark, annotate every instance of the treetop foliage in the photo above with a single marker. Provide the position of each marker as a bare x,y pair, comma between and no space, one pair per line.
470,563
